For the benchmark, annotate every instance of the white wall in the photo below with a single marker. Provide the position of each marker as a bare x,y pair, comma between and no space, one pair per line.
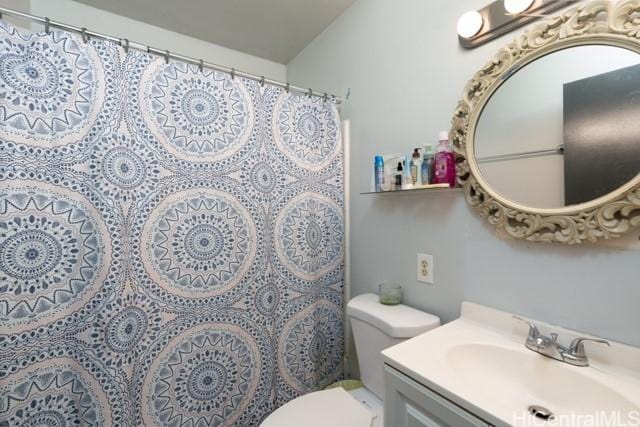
406,71
80,15
21,5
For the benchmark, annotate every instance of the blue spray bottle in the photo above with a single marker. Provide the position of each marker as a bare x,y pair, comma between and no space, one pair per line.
379,172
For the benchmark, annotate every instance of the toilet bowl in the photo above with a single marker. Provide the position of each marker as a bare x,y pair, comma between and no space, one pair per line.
375,327
335,408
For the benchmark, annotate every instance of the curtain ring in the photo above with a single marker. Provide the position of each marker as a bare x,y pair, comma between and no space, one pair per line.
310,93
233,73
201,65
83,33
262,81
167,56
287,87
47,23
124,43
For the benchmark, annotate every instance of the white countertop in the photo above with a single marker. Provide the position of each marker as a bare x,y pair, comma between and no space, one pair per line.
427,359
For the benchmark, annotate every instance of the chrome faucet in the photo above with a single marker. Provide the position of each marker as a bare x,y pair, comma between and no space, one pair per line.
550,347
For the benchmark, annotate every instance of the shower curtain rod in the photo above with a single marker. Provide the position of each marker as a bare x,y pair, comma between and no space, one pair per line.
524,155
167,55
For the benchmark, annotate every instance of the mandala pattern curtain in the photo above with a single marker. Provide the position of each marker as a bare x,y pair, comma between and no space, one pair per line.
171,240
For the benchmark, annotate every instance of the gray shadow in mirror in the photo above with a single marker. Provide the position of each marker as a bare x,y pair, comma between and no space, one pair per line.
601,134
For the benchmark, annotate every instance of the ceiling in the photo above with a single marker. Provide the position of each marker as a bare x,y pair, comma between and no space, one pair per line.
273,29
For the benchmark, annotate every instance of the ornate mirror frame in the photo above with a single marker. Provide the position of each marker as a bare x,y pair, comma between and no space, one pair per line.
600,22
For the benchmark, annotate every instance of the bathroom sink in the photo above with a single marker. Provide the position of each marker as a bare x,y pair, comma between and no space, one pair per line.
479,363
522,378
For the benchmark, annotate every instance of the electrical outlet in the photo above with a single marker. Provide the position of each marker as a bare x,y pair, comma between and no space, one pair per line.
425,268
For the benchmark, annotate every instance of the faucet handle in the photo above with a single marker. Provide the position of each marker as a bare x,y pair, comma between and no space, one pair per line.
576,348
534,332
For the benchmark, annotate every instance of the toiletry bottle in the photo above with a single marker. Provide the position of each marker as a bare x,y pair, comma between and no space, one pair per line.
389,183
398,177
416,166
444,164
426,171
407,178
379,172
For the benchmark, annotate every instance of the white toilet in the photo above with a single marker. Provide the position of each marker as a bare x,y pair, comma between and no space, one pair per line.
375,327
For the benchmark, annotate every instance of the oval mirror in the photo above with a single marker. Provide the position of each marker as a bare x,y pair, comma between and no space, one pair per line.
548,132
563,130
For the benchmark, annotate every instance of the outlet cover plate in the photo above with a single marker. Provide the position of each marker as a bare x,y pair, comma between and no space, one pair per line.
425,268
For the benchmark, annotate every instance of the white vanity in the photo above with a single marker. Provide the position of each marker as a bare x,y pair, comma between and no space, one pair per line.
476,371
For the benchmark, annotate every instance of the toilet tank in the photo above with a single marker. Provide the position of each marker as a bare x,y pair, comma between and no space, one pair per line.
375,327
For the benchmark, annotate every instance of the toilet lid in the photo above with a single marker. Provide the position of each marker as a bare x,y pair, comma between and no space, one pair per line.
327,408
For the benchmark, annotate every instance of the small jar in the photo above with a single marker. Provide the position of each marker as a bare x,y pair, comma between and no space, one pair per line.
390,293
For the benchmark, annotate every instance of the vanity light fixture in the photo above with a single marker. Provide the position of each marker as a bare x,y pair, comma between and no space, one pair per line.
470,24
500,17
514,7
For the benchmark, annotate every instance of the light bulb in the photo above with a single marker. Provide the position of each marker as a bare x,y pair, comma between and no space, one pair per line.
517,6
470,24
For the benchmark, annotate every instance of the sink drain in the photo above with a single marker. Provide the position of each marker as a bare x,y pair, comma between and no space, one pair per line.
540,412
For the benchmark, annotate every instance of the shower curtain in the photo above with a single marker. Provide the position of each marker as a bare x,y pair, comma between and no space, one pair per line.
171,239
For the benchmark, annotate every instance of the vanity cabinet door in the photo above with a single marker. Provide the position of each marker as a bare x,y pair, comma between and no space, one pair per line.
410,404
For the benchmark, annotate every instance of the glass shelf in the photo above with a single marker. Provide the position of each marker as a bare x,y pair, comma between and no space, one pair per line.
429,188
